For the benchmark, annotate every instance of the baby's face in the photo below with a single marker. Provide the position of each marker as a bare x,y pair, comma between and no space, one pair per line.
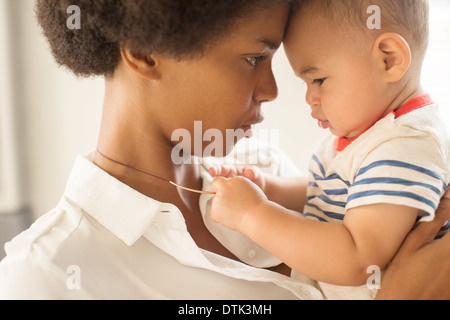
345,84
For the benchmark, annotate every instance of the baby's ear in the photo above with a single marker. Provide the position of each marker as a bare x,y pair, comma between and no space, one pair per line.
394,55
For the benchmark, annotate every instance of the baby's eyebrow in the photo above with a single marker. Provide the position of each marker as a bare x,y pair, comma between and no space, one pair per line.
307,70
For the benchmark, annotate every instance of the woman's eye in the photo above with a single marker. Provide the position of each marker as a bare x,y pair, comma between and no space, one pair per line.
319,81
253,61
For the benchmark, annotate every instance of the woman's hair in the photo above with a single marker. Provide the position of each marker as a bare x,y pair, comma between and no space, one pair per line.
177,28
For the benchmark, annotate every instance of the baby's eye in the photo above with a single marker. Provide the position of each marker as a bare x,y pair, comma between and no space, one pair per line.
319,81
253,61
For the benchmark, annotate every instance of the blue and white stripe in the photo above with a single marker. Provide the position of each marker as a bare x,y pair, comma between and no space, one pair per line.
386,181
397,182
327,195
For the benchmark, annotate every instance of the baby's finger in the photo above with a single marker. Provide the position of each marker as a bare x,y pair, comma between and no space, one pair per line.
252,173
231,171
217,183
214,171
222,171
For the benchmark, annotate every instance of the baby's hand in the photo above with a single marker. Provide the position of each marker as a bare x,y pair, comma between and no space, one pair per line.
234,199
253,174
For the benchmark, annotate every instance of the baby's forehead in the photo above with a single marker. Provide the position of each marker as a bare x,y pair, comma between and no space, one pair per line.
369,18
316,29
313,43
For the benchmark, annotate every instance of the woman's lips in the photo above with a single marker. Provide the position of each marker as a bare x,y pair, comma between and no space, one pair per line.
249,130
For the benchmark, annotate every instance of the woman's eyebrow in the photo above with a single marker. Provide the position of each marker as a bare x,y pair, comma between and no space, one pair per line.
270,44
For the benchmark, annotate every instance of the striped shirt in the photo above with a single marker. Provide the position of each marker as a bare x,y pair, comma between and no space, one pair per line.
403,159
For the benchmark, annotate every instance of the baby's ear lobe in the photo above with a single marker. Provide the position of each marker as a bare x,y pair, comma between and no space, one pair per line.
394,55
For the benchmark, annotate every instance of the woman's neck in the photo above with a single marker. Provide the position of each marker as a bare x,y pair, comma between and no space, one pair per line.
129,139
134,143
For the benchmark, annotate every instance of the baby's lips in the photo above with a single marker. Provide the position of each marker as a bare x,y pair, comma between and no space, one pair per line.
324,124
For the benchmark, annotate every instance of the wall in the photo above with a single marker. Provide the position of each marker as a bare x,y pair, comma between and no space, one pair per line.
59,115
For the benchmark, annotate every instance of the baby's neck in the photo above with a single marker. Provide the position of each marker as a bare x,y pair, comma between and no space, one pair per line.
408,92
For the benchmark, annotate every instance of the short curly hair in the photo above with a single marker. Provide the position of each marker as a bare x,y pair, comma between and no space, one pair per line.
179,28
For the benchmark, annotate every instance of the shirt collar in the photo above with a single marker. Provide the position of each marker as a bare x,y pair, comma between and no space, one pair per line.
130,215
412,105
106,199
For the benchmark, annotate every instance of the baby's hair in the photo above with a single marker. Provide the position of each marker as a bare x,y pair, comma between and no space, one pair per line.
409,18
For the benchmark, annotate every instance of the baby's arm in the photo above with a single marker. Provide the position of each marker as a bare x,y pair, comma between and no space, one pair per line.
289,192
337,254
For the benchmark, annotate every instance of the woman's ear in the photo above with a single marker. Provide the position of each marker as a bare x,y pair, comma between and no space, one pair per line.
394,54
147,66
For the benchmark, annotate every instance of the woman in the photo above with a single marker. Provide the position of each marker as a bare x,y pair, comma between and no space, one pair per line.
121,230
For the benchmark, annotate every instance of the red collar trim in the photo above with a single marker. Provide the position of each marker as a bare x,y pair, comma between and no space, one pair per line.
412,105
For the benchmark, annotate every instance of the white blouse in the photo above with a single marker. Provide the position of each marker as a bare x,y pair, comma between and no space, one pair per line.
105,240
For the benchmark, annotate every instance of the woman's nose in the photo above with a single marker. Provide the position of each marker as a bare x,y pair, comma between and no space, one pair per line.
267,89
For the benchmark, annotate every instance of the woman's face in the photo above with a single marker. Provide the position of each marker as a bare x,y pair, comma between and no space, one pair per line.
225,88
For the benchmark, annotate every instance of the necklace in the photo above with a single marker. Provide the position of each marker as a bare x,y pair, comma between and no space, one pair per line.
154,176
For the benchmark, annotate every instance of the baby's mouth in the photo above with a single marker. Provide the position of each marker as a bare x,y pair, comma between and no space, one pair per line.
324,124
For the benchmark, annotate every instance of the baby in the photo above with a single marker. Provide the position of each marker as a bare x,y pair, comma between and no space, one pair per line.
385,164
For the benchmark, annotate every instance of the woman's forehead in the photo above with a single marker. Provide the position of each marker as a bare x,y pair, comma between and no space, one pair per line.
264,27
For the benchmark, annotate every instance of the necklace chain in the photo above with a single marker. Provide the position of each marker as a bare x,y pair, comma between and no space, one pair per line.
153,176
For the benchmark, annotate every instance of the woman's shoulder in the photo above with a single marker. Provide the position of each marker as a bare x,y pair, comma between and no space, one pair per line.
46,234
30,258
